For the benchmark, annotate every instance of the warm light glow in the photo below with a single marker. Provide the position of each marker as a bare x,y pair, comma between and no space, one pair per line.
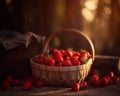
87,14
107,1
107,10
8,2
90,5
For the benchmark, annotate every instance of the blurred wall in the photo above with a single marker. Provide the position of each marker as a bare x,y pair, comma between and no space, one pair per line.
99,19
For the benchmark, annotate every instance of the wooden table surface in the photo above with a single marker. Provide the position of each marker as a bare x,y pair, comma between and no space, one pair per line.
102,64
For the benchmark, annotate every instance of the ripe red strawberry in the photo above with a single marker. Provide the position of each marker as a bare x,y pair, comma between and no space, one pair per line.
76,53
50,62
110,74
58,58
83,85
109,80
94,81
115,79
75,62
95,77
31,80
52,51
68,53
67,63
104,81
76,87
9,78
6,85
39,84
85,53
27,85
40,60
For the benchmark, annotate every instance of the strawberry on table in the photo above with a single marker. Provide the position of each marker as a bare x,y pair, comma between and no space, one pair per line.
104,81
76,87
27,85
83,85
39,84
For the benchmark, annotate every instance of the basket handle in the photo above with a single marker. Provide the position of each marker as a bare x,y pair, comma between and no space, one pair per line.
72,30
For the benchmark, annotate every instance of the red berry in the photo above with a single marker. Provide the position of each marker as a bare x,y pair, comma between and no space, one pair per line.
83,85
50,62
27,85
110,74
76,87
94,83
58,58
67,63
109,80
94,80
6,85
104,81
9,78
52,51
75,62
115,79
76,53
40,60
68,53
94,77
39,84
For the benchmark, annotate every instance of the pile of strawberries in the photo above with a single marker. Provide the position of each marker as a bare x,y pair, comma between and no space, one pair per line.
100,81
97,81
63,58
8,83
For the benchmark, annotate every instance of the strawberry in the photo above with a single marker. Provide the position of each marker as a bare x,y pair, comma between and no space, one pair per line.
31,80
27,85
115,79
85,53
6,85
94,81
9,78
68,53
83,85
40,60
75,62
58,58
95,77
76,87
50,61
110,74
109,80
52,51
76,53
39,84
104,81
67,63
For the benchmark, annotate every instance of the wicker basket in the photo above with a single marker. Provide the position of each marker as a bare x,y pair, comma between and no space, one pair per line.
62,76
